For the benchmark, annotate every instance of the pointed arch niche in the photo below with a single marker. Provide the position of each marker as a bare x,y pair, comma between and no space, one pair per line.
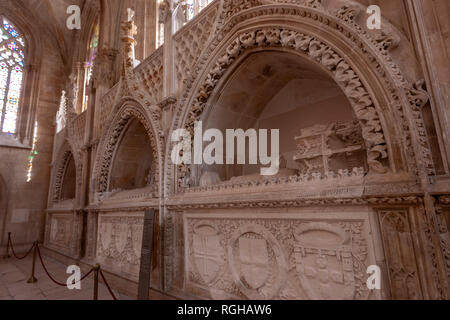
127,157
133,163
66,178
319,130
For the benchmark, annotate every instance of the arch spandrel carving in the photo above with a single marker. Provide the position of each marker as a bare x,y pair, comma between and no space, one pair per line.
383,108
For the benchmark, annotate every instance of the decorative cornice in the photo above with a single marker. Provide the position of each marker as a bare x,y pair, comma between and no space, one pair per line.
374,201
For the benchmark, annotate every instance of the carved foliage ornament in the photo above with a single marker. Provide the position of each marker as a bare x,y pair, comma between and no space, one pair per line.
418,98
320,52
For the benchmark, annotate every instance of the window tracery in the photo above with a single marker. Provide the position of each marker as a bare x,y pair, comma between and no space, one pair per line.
12,62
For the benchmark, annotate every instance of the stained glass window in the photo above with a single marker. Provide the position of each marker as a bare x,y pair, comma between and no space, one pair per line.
203,4
93,49
92,54
159,29
193,7
190,9
12,47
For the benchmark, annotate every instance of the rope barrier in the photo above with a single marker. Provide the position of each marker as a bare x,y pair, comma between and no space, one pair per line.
10,245
107,285
53,279
96,269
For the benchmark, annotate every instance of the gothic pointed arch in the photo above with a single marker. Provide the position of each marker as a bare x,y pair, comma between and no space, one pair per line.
385,102
67,174
128,111
28,50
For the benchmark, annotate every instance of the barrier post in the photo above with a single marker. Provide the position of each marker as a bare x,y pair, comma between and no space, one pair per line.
32,277
96,271
7,246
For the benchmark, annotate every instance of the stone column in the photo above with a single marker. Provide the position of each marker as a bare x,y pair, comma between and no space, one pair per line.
91,236
430,34
79,93
166,16
128,34
146,21
26,121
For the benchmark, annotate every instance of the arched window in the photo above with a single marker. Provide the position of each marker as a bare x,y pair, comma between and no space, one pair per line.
186,10
93,49
12,47
90,60
193,7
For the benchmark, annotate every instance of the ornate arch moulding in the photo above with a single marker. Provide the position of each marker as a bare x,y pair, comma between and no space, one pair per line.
60,167
387,109
127,109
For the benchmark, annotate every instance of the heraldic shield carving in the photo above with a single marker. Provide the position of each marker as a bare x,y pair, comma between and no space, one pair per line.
207,252
324,261
254,259
257,262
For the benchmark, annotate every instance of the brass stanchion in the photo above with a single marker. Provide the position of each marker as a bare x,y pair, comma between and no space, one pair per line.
32,277
7,246
96,271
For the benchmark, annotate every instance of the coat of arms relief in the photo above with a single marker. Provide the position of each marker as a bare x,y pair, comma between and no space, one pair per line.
277,259
119,242
60,230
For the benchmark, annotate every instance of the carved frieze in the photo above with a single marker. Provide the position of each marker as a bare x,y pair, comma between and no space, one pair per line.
276,258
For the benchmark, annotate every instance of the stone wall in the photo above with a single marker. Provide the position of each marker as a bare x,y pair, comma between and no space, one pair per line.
25,202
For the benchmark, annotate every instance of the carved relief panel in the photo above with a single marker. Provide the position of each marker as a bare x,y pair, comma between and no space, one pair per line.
60,235
277,257
119,242
331,148
401,260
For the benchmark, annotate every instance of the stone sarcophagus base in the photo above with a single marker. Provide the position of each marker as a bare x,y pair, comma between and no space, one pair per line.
308,254
119,242
63,232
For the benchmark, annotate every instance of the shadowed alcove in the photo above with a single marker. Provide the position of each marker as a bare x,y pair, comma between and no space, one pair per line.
319,132
69,185
133,160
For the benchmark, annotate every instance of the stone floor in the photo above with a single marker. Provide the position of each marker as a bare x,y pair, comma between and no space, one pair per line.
15,273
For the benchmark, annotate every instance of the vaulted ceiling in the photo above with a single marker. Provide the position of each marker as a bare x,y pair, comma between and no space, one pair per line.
51,17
